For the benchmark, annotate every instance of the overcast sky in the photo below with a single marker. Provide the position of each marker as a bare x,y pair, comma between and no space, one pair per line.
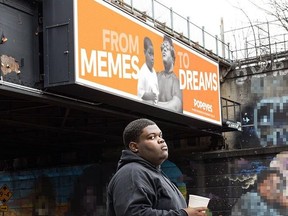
236,15
208,13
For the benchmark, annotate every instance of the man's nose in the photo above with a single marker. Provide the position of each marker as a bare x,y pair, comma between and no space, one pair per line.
161,140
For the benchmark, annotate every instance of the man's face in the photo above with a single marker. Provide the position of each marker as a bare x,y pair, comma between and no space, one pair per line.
149,54
273,189
166,52
151,145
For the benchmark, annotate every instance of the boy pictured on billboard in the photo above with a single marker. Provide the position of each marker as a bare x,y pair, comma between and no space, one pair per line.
147,88
170,94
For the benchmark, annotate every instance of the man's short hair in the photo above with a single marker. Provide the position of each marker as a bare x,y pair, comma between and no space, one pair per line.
134,129
262,176
147,43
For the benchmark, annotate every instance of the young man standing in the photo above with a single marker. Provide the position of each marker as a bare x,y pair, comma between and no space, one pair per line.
139,187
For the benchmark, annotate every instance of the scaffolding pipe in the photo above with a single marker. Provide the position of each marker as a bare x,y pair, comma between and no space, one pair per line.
188,27
171,15
203,37
153,14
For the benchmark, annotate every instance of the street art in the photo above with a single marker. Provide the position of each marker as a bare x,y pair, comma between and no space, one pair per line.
264,99
263,93
175,175
269,196
270,116
246,171
247,181
261,70
65,191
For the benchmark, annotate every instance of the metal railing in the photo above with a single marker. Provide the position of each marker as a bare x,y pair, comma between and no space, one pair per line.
258,42
160,16
253,43
231,113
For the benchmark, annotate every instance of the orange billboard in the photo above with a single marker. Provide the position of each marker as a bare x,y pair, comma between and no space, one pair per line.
122,55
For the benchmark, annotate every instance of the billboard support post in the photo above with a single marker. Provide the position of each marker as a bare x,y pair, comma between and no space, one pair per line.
188,27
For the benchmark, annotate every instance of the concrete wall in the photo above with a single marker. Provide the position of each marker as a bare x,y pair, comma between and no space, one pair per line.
262,92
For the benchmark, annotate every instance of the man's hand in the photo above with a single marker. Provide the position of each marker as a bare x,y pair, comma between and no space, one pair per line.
201,211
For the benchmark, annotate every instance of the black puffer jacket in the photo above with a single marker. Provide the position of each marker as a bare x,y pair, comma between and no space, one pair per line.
140,189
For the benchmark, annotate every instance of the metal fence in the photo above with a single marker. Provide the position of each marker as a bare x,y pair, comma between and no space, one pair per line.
160,16
258,41
252,42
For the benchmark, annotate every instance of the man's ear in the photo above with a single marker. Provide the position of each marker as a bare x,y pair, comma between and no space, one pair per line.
133,147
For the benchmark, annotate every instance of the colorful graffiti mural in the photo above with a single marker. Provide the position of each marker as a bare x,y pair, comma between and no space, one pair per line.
261,90
269,197
66,191
63,191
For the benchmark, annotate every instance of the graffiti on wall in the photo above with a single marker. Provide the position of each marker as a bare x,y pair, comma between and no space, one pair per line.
66,191
62,191
269,195
263,69
262,92
264,99
270,116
